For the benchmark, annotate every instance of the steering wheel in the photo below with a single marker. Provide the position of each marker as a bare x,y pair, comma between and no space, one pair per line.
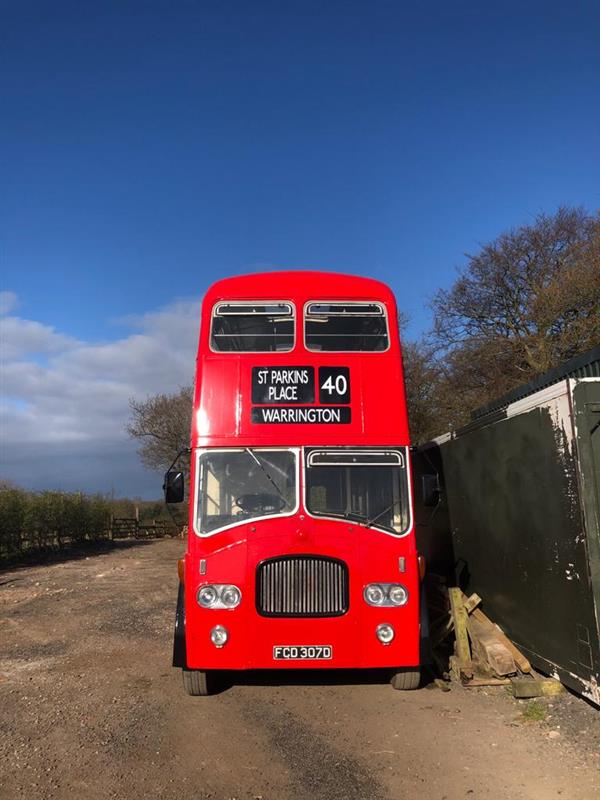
260,502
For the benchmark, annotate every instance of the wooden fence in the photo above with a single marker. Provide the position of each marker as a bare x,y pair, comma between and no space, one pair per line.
26,542
132,528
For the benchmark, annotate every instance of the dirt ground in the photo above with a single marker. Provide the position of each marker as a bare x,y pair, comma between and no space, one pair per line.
91,708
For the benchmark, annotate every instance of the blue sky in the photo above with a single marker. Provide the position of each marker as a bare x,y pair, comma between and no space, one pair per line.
149,148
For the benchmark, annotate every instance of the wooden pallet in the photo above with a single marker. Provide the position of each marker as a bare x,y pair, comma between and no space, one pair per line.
482,654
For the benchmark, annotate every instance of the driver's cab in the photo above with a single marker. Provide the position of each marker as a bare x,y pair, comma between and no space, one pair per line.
235,485
361,485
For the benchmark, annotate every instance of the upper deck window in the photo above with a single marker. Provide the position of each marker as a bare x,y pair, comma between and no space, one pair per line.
345,327
252,327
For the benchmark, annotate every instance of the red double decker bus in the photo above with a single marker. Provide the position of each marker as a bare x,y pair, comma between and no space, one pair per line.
301,550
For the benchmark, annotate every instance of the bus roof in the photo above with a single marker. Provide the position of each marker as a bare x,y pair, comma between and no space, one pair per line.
293,283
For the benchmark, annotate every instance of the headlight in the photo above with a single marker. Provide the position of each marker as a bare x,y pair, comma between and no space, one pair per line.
231,596
374,594
398,594
385,594
207,596
219,595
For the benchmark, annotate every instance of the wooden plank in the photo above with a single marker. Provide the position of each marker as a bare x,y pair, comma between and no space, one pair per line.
471,603
489,650
536,687
444,625
487,682
520,660
459,617
454,668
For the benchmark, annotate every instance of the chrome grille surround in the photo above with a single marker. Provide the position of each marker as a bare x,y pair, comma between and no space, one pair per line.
302,586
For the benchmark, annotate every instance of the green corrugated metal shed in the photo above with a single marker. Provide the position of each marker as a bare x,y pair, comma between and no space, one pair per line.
520,517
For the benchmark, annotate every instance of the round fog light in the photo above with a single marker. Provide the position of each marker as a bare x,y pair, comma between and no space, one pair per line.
219,636
385,633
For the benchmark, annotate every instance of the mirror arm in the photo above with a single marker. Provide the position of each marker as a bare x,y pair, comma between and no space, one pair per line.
185,452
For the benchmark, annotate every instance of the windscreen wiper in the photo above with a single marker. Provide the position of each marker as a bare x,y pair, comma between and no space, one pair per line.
357,515
262,466
371,520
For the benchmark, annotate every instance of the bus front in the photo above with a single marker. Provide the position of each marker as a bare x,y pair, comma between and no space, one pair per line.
300,549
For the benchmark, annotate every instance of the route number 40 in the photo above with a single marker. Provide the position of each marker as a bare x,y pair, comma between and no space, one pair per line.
340,387
334,385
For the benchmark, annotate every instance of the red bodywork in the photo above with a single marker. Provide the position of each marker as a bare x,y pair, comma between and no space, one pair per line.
222,418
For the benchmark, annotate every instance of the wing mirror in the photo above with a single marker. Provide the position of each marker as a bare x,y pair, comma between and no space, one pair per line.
174,486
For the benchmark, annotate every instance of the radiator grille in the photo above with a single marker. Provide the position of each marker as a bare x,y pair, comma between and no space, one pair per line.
302,586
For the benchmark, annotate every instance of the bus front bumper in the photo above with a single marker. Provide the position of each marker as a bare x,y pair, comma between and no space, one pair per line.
369,638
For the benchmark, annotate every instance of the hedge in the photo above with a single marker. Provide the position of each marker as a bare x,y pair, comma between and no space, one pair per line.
50,520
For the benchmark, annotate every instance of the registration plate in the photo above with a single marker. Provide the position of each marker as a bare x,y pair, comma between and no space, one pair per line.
302,652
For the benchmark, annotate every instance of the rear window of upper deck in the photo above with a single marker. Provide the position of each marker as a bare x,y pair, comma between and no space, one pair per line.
345,327
252,328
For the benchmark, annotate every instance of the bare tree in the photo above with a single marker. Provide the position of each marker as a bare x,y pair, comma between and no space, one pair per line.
532,296
162,424
525,303
422,379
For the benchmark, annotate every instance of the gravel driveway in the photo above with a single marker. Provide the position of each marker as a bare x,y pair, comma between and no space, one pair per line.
91,708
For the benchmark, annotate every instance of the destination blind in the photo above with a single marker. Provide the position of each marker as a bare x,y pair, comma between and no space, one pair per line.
283,384
284,395
298,415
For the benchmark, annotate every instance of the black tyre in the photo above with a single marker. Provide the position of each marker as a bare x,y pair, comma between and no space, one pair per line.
406,679
196,682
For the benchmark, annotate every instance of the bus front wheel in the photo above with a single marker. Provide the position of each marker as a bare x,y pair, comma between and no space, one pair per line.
196,682
406,679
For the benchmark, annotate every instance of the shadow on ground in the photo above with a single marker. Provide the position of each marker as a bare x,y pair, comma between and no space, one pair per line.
227,679
69,553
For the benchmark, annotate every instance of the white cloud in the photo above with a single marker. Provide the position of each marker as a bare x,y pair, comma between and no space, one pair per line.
8,301
77,395
22,337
